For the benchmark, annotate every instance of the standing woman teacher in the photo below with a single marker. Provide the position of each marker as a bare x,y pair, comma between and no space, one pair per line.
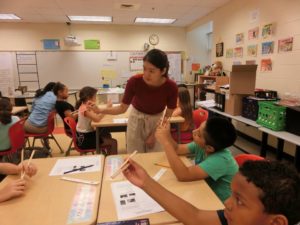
149,93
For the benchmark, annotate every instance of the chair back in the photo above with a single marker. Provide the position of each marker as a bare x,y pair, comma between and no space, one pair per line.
51,122
72,124
242,158
16,136
199,115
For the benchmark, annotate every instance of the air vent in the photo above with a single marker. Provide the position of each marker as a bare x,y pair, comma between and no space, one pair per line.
127,6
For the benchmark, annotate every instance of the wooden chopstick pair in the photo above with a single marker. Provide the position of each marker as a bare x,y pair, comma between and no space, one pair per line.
163,117
28,163
123,167
74,112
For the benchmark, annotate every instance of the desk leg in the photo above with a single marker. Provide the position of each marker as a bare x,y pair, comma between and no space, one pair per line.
297,158
76,97
178,133
97,140
264,144
280,144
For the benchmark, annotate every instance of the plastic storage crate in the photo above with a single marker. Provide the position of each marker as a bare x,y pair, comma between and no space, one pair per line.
271,116
250,107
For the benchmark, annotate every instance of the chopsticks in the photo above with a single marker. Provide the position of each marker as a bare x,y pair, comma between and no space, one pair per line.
28,163
123,166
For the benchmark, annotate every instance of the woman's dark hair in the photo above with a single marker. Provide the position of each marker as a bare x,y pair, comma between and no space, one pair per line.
5,111
219,133
58,87
159,59
41,92
85,94
185,106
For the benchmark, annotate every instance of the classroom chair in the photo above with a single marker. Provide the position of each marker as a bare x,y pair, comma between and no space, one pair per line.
242,158
46,136
199,115
70,145
16,135
72,124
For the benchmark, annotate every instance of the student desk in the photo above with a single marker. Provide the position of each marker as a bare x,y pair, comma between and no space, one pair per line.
108,121
197,193
21,99
48,199
18,109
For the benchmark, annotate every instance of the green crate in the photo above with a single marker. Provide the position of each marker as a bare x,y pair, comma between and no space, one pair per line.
271,115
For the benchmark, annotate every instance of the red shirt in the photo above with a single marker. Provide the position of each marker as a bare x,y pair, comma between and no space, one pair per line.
148,99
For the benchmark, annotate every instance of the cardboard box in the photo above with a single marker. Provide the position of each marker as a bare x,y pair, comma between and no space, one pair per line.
233,104
242,79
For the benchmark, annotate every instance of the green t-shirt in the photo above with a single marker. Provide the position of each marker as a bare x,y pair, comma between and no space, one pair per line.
220,167
4,138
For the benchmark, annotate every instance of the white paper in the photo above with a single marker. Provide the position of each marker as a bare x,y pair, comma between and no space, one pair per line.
254,16
207,103
116,90
131,201
120,120
63,165
175,66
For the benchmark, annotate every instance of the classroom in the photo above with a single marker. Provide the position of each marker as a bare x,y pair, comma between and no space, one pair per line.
149,112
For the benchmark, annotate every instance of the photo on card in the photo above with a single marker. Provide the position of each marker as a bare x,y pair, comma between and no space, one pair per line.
285,45
239,38
267,48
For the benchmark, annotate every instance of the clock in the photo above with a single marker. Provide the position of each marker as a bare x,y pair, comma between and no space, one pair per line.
153,39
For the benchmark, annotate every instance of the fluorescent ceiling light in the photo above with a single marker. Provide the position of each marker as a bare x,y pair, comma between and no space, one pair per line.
9,17
91,18
154,20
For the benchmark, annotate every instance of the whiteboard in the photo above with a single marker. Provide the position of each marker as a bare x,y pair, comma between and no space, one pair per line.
6,73
77,69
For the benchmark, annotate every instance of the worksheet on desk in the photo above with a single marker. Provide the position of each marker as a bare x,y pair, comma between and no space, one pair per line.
81,164
131,201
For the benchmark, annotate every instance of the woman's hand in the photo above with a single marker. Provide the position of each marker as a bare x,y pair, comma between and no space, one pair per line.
150,141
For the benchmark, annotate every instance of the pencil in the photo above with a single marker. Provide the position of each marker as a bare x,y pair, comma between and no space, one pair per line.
123,166
31,156
162,165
